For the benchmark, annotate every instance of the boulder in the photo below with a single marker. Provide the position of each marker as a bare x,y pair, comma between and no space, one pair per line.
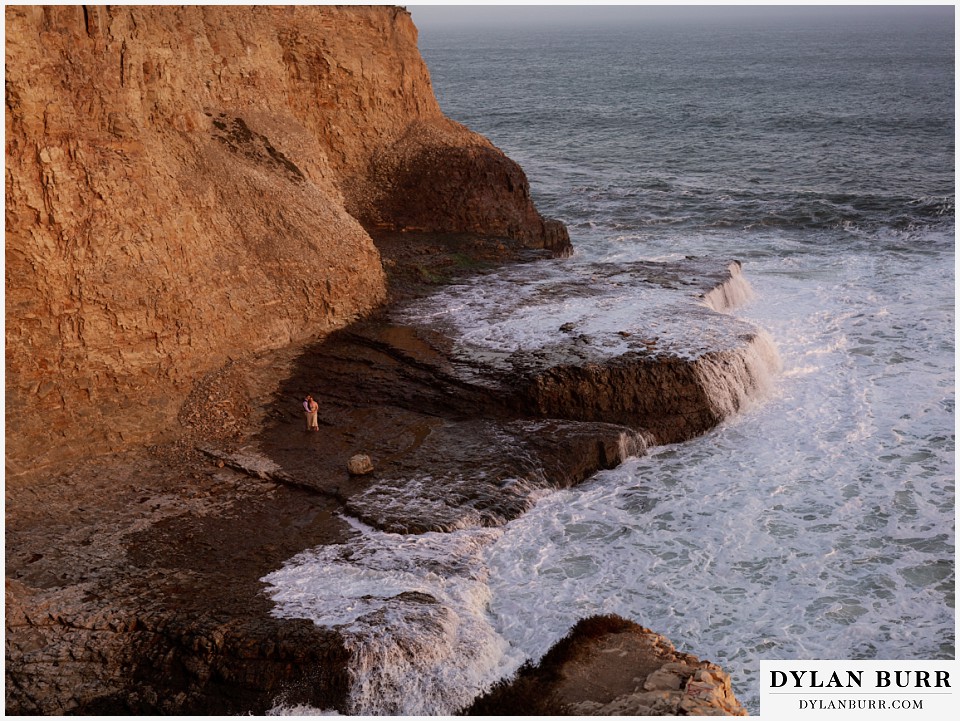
610,666
360,465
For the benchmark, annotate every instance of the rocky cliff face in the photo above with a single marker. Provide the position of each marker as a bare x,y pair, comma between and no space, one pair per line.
189,185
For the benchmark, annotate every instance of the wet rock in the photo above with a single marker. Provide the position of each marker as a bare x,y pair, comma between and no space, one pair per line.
467,474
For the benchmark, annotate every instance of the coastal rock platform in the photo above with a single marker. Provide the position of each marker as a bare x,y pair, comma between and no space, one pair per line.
134,582
467,427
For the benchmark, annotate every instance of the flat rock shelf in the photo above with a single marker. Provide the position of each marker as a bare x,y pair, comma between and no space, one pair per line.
135,582
473,400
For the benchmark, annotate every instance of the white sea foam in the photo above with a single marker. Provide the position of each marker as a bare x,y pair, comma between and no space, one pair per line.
731,294
530,308
819,524
412,611
282,709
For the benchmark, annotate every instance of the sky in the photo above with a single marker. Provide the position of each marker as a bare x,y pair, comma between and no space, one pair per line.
428,17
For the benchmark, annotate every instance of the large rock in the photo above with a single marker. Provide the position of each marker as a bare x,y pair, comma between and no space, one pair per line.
433,166
187,185
360,465
609,666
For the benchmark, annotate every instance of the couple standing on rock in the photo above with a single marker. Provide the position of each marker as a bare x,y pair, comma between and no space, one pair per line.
310,407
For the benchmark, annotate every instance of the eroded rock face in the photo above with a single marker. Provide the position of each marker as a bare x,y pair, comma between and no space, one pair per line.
187,185
609,666
434,166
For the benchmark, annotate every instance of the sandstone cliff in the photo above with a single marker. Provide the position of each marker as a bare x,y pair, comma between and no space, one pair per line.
187,185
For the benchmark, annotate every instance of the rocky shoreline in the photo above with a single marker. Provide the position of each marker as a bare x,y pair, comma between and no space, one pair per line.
196,238
133,581
168,211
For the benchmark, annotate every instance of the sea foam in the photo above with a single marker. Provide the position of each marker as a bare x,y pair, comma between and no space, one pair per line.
412,612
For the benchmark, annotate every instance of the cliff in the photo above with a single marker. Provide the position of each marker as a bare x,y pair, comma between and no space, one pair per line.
190,185
200,200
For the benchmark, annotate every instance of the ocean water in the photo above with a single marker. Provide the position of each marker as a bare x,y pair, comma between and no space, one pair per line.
816,523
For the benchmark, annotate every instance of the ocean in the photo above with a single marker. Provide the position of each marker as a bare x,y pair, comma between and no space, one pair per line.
817,523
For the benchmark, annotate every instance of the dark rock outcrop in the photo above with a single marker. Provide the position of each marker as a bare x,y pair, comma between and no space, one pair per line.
609,666
435,177
143,597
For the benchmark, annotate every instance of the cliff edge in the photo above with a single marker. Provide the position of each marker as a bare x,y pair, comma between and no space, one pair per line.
190,185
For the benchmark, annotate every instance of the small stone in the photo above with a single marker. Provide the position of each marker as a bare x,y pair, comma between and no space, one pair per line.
360,465
220,464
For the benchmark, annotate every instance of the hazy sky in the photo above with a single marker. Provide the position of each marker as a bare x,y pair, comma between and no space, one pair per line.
427,17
